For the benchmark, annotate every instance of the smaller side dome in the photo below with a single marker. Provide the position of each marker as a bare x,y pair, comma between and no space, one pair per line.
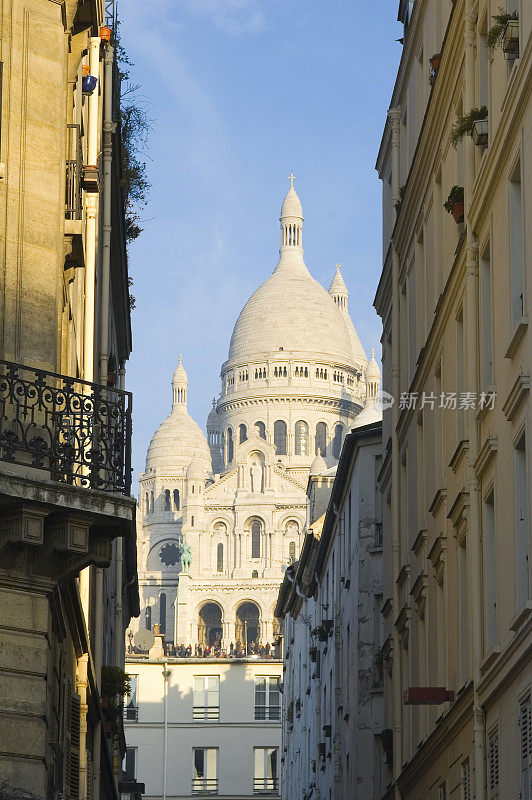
318,466
373,370
291,204
196,470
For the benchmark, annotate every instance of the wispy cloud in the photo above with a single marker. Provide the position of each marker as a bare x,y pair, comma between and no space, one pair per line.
232,16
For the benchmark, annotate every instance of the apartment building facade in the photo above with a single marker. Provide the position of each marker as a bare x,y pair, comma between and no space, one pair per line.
456,474
68,575
204,726
329,607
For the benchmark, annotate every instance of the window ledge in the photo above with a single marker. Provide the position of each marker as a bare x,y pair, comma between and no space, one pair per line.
518,333
521,616
490,658
488,392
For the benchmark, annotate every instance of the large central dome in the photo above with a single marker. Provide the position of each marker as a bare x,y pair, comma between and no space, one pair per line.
291,311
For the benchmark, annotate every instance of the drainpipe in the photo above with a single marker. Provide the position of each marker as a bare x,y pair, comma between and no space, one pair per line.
108,130
337,744
119,627
395,116
166,675
91,207
472,317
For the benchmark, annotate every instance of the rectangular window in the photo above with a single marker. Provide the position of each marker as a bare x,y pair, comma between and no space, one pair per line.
486,319
493,765
525,747
522,555
466,780
206,698
490,588
267,699
463,616
460,373
517,261
266,776
131,702
130,762
205,775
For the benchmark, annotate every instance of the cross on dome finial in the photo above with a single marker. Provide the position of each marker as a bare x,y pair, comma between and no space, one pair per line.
291,178
373,352
180,359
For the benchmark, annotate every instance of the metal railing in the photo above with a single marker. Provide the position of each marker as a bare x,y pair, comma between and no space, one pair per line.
265,786
78,432
74,173
131,713
204,785
270,713
206,713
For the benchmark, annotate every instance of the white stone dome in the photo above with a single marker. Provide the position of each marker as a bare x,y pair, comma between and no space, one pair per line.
291,311
196,470
179,439
292,205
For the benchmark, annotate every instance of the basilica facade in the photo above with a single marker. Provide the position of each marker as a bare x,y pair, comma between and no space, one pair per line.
221,517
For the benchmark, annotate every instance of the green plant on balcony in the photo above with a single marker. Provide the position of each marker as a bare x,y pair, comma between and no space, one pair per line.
498,29
455,203
465,125
115,684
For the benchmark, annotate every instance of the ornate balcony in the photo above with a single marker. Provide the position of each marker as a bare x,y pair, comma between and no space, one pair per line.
78,432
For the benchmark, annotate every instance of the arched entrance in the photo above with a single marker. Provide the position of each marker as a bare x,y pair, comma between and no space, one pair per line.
210,625
248,625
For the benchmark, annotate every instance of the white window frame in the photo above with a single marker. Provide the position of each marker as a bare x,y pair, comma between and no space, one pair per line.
206,711
264,784
267,715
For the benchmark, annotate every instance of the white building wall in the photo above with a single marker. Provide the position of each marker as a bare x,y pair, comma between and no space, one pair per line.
235,735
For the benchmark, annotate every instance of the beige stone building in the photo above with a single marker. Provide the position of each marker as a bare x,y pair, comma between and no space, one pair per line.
68,581
329,606
456,474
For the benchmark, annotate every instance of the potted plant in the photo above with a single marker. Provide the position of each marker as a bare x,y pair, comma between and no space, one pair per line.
466,124
498,33
434,62
455,203
115,683
105,33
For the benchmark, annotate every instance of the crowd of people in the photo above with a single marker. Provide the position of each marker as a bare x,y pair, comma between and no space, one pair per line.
216,650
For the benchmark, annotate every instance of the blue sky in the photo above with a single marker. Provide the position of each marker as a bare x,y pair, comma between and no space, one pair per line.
240,93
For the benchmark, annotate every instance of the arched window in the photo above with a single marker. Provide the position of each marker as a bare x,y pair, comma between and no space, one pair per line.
167,500
254,574
162,612
248,625
147,615
220,557
301,442
321,439
152,507
146,504
230,450
192,521
242,433
256,530
261,429
176,499
292,552
337,441
279,437
210,625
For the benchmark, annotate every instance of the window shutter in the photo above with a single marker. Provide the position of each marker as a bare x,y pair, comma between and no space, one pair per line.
493,765
466,781
72,709
89,776
525,747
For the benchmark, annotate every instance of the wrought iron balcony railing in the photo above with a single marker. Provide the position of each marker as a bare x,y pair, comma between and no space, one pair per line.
269,713
131,713
204,785
206,713
78,432
265,786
